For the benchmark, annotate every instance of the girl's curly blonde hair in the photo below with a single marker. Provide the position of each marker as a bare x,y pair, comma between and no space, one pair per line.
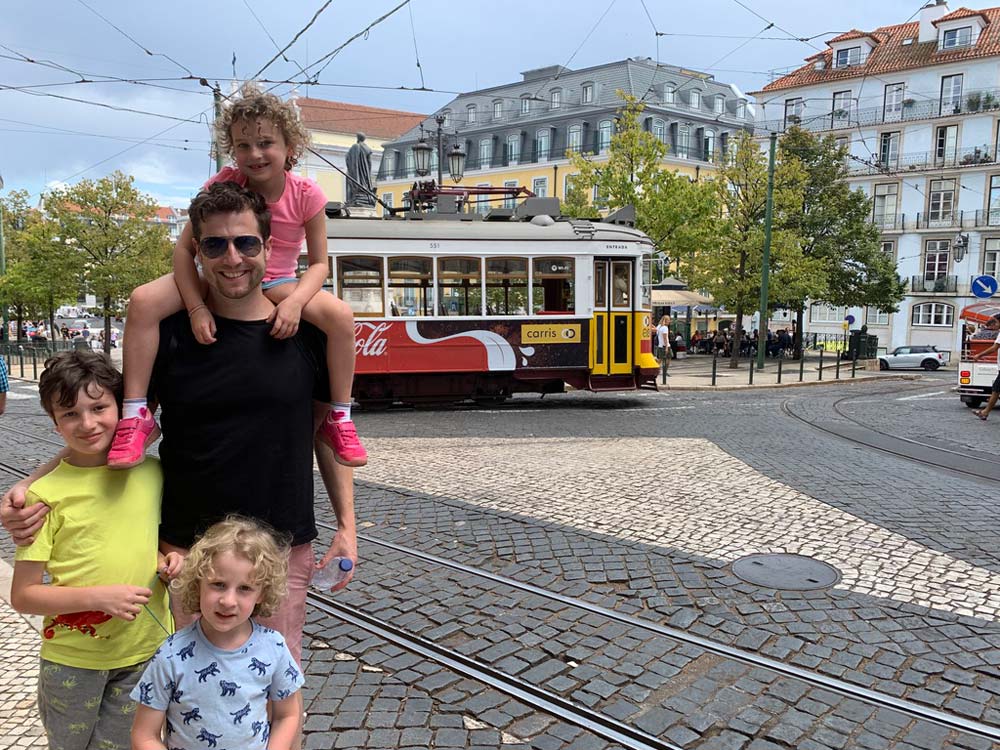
245,538
254,104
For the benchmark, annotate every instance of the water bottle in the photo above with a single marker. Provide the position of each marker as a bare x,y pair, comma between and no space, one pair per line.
335,571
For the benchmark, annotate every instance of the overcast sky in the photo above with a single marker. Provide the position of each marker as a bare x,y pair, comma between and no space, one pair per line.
462,46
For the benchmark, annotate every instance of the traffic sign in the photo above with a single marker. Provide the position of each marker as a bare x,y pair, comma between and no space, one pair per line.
849,319
984,287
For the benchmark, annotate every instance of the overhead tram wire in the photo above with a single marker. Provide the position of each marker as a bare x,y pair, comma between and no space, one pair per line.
4,87
416,52
295,38
328,58
133,39
281,52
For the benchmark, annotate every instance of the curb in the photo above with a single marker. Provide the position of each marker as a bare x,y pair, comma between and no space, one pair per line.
796,384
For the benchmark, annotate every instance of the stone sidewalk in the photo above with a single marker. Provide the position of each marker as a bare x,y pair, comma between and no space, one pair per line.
20,726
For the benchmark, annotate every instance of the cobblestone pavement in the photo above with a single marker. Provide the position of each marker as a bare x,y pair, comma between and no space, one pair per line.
19,724
639,503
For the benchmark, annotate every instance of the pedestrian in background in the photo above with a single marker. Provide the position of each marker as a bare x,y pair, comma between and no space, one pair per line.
4,385
994,324
663,343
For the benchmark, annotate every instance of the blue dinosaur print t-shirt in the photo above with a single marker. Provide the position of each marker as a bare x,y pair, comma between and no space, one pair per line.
215,698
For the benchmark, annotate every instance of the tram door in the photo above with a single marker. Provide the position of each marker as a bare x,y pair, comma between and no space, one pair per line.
612,335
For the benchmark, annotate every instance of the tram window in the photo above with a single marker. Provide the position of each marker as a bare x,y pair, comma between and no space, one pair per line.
601,285
646,284
506,286
621,287
459,286
552,289
359,283
411,286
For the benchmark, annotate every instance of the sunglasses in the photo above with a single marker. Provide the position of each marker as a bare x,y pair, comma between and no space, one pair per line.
246,245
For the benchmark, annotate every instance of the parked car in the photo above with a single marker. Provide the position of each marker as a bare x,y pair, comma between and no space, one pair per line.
903,357
77,326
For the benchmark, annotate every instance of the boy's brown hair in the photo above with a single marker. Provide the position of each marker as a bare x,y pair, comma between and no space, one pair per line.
67,372
254,104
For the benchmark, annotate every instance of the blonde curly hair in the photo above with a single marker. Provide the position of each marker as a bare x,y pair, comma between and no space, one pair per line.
254,104
246,538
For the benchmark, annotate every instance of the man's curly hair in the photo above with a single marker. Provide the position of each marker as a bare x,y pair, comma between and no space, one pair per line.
246,538
253,104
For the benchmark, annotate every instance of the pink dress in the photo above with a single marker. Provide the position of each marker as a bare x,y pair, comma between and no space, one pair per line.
300,202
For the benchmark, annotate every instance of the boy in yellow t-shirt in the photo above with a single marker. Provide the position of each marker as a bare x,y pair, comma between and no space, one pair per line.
106,610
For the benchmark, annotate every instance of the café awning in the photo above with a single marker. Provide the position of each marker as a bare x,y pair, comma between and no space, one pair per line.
671,297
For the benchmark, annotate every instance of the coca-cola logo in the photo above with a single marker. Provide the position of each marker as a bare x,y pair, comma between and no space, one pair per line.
370,339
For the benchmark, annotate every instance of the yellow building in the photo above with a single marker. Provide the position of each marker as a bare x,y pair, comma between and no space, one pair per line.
334,127
518,134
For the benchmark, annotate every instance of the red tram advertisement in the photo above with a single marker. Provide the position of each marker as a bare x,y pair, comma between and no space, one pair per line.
450,307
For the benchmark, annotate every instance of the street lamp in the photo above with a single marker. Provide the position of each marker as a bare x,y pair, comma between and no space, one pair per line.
422,157
456,163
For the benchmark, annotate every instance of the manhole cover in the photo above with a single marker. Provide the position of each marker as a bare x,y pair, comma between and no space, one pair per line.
784,571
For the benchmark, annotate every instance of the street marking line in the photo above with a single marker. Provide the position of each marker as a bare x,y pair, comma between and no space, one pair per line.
921,395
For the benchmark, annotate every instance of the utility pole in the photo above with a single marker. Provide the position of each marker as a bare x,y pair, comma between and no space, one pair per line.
766,268
217,98
439,119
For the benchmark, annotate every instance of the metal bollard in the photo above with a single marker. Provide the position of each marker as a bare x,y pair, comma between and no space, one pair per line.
802,364
752,368
854,366
780,360
20,360
821,363
663,370
34,365
837,368
715,366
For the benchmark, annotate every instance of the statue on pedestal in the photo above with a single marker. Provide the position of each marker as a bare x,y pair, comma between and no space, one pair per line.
359,167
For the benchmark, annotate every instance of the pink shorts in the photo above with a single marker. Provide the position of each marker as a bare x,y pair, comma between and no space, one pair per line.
290,617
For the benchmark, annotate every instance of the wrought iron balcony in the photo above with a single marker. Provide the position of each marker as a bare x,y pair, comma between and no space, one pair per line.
940,285
957,158
940,220
890,222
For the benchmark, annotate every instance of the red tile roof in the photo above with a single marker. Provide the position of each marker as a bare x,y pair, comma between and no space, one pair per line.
340,117
847,35
892,56
960,13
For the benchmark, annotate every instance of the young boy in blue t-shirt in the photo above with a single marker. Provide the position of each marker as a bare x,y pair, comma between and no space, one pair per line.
105,609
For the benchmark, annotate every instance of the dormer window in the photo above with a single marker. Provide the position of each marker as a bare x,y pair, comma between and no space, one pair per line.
447,118
668,94
498,109
956,38
720,104
695,100
555,98
847,57
587,96
470,113
525,104
741,108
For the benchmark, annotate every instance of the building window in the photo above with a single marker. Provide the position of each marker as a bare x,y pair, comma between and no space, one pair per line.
708,146
447,118
893,106
955,38
889,248
885,205
604,136
826,314
951,94
659,130
410,168
936,257
540,186
389,164
387,200
991,257
470,113
485,152
555,98
683,141
876,317
888,150
525,104
542,144
793,111
669,94
845,57
946,147
993,212
497,110
574,139
483,201
720,104
933,314
941,201
695,99
509,201
587,95
513,149
741,108
843,107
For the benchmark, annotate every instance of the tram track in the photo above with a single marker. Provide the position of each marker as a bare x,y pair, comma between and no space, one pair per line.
965,462
566,710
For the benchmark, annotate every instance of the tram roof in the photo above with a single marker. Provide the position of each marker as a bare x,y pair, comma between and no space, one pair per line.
406,229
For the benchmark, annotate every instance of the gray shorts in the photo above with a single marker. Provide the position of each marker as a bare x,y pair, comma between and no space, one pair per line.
87,709
996,384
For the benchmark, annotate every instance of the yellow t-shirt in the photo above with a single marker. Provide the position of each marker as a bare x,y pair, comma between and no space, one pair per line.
102,530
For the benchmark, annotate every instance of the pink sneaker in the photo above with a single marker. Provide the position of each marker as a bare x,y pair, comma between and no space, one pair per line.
132,437
343,438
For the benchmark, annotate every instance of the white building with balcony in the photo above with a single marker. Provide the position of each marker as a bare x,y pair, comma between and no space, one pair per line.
918,106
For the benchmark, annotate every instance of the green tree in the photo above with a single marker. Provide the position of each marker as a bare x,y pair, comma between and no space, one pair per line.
677,213
106,222
835,224
19,287
730,267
